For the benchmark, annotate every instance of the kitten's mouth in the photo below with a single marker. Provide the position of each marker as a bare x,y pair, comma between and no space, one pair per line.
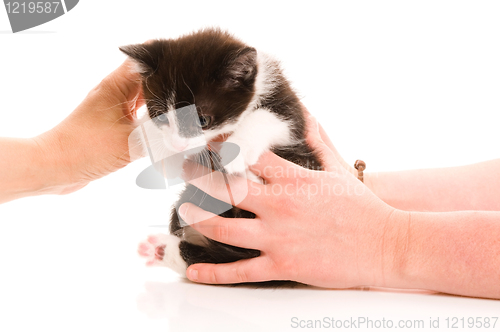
217,139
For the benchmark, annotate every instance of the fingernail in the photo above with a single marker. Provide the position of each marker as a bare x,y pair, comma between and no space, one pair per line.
193,275
183,211
316,122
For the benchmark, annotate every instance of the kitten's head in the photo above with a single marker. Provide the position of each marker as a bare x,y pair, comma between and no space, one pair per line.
210,71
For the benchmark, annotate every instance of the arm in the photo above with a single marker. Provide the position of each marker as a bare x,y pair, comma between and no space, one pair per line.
90,143
450,252
346,237
25,170
471,187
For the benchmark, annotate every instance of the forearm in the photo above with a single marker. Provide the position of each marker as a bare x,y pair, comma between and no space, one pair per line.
27,169
471,187
450,252
19,163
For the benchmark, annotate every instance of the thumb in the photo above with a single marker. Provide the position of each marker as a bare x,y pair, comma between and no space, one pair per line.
123,87
271,167
126,79
313,138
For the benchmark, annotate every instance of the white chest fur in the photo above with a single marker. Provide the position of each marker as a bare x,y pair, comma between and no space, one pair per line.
258,131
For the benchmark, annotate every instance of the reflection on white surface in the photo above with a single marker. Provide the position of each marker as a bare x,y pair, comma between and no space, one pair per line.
190,307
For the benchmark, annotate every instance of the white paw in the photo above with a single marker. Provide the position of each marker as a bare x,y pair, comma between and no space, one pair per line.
237,166
251,156
246,157
253,177
163,250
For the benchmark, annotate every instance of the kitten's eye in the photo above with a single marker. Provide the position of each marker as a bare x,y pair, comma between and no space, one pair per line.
205,121
162,118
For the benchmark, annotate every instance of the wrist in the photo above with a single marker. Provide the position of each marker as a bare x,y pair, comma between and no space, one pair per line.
25,171
55,163
370,180
393,250
379,184
18,165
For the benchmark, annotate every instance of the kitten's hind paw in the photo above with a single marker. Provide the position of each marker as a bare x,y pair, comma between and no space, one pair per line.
163,250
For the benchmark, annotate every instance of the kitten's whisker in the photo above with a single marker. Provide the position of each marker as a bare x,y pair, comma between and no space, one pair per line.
205,162
110,107
194,98
183,102
147,86
117,120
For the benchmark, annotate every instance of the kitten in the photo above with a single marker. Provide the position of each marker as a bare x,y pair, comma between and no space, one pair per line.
240,95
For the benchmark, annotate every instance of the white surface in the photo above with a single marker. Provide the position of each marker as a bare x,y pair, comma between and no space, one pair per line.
398,84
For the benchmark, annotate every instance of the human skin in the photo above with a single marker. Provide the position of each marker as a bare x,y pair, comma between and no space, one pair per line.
89,144
469,187
348,238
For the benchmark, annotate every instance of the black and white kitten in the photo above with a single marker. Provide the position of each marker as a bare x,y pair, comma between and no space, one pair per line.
240,94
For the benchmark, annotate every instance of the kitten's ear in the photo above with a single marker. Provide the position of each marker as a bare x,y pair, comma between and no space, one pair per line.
242,68
143,55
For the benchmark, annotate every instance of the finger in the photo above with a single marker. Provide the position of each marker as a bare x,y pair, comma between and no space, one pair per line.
139,101
135,101
272,168
132,83
312,126
124,86
125,79
240,232
329,143
234,190
316,143
248,270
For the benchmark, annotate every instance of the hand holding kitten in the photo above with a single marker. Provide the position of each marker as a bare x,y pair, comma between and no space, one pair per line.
348,238
89,144
349,241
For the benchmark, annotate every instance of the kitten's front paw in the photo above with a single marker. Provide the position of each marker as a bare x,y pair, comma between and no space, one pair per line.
246,157
235,166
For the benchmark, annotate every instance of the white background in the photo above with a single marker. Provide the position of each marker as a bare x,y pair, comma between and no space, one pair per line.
398,84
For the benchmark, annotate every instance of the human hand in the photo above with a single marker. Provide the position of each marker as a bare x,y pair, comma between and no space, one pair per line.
320,228
93,140
317,141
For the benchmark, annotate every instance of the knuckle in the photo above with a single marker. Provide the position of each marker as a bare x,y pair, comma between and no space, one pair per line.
106,85
213,277
285,268
222,233
281,200
212,184
241,275
289,206
104,89
302,180
275,269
